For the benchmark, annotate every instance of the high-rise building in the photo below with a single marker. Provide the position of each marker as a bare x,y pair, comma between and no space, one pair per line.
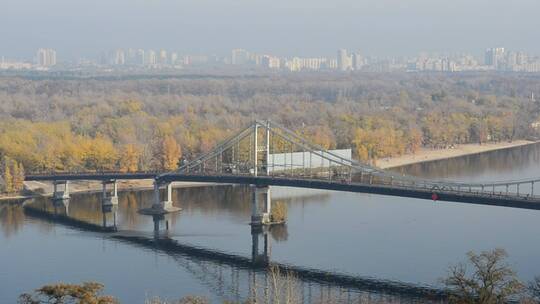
521,58
174,58
270,62
119,57
239,56
343,60
141,57
46,57
357,61
151,58
163,57
494,57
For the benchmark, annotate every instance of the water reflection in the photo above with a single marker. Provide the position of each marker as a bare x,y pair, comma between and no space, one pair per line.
11,218
228,276
61,207
109,213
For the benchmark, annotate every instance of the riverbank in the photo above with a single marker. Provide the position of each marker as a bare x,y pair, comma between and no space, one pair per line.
426,155
46,188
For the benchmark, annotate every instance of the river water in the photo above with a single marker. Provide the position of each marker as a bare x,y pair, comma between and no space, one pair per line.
351,237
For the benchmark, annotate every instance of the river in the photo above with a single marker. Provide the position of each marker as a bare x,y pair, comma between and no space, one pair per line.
364,243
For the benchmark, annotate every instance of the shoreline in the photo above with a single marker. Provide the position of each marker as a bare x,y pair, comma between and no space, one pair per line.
429,155
95,187
423,156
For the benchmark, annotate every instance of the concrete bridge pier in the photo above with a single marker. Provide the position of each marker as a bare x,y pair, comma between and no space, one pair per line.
60,195
159,206
161,225
109,216
261,216
61,207
110,198
258,257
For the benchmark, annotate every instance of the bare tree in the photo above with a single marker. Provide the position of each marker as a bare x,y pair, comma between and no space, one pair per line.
86,293
534,290
491,280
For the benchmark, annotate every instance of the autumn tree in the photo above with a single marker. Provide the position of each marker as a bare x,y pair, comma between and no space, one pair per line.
166,153
99,154
491,280
85,293
18,176
7,176
129,158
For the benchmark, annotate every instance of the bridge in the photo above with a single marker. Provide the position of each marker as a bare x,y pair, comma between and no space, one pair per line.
267,154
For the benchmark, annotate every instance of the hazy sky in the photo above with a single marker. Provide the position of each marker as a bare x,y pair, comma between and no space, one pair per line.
282,27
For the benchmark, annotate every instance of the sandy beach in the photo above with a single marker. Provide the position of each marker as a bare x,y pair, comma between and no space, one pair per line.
425,155
46,188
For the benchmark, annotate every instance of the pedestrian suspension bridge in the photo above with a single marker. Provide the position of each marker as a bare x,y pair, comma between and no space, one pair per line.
267,154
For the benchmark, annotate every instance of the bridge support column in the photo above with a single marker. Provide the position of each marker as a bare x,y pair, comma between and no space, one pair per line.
109,216
258,216
60,195
160,207
257,257
109,198
255,147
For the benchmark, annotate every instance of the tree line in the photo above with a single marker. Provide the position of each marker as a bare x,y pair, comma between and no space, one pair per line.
151,123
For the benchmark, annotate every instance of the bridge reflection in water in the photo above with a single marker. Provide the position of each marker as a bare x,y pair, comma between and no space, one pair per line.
228,276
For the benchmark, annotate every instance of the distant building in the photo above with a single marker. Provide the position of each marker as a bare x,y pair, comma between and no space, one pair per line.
46,57
140,57
494,57
331,64
162,57
270,62
14,65
174,58
239,56
357,61
343,60
119,57
151,58
195,60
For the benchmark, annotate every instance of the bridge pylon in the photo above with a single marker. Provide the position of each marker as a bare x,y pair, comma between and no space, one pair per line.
159,206
109,197
60,195
261,215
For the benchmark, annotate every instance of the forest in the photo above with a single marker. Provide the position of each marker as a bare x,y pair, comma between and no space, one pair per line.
150,122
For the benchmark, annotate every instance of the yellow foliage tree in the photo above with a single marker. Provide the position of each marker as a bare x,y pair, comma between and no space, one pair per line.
166,154
99,154
8,178
129,158
18,176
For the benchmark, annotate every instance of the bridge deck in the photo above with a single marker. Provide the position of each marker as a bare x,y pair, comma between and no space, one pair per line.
522,202
481,198
91,176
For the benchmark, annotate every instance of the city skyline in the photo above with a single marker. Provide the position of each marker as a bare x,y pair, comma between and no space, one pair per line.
494,58
306,28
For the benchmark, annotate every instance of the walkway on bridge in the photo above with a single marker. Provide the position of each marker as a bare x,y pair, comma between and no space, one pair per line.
267,154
